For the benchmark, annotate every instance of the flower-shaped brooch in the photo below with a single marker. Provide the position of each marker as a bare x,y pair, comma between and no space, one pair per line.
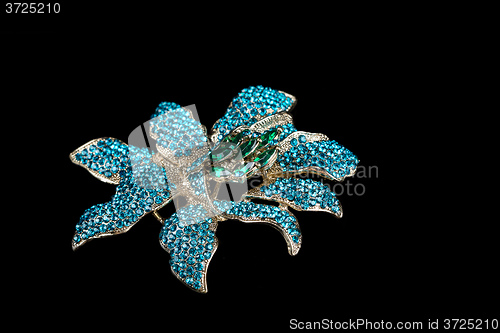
171,156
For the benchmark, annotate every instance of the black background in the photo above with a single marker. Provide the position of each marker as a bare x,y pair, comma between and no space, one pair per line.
401,251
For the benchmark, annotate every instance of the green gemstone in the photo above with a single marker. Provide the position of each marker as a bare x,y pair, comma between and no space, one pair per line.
267,137
235,139
244,169
248,147
264,157
222,152
220,172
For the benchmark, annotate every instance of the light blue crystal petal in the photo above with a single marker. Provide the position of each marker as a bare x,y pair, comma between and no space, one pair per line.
105,158
165,107
130,203
327,158
140,190
300,194
278,217
177,133
191,245
249,106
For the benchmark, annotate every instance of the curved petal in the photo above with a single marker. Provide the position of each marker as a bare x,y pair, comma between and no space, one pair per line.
278,217
140,190
177,134
130,203
105,158
304,152
300,194
249,106
165,107
190,245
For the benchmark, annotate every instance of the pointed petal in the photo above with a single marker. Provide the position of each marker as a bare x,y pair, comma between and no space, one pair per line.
105,158
178,134
249,106
300,194
137,194
165,107
190,245
120,214
278,217
304,152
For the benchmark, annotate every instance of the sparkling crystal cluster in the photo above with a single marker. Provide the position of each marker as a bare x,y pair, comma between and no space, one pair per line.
329,156
132,199
254,212
256,134
190,244
197,182
300,194
254,148
286,130
177,132
107,156
251,105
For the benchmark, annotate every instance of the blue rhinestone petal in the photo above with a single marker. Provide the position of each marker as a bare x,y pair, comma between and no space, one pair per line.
105,158
251,105
337,161
165,107
140,190
300,194
281,219
175,130
189,259
178,132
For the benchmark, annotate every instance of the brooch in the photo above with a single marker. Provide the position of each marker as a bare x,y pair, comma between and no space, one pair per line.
171,157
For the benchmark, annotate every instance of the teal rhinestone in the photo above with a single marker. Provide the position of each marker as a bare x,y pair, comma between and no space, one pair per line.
267,137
